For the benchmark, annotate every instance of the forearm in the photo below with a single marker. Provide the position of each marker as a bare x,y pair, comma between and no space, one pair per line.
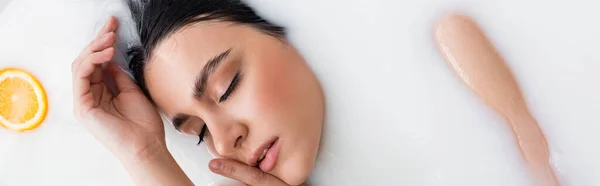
534,148
155,166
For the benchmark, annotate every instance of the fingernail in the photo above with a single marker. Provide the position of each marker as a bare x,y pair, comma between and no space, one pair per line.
216,165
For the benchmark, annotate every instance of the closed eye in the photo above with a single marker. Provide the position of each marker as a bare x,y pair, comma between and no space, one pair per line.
231,88
202,134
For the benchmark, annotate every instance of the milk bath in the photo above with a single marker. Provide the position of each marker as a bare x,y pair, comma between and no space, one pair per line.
396,114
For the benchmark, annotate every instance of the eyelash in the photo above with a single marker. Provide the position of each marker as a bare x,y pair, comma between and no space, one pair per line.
232,86
225,96
202,134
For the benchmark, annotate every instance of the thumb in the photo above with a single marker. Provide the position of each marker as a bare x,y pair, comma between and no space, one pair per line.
244,173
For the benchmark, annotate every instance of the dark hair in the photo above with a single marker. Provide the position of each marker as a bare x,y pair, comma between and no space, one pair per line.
157,19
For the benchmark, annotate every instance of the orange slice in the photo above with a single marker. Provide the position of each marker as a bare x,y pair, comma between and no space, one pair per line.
23,103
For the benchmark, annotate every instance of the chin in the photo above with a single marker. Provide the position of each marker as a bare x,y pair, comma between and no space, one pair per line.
297,173
296,179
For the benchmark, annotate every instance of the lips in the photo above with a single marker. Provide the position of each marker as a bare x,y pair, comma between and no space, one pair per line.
270,158
266,155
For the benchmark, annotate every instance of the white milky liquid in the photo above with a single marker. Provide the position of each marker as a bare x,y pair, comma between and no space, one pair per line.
396,114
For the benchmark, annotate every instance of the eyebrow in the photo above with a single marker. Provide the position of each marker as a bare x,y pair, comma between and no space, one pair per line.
207,71
200,84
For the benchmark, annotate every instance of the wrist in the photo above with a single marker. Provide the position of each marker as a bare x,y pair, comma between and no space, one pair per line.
144,153
154,165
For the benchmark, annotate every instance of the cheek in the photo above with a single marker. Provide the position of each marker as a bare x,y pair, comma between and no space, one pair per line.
263,104
281,92
272,94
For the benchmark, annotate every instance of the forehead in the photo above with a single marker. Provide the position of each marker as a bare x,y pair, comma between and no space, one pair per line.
176,61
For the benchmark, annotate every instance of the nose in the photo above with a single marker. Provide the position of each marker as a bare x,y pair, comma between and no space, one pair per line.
228,136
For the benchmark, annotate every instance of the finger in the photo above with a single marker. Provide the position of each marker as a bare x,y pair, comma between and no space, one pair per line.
96,76
101,42
243,173
110,26
81,81
123,82
89,64
106,41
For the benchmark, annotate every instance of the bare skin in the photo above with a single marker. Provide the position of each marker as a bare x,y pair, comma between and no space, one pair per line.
475,60
128,125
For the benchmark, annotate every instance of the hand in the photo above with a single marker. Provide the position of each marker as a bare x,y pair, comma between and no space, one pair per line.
124,122
244,173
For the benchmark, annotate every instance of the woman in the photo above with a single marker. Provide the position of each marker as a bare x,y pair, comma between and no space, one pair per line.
216,70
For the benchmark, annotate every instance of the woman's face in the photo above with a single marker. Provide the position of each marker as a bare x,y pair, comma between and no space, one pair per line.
250,90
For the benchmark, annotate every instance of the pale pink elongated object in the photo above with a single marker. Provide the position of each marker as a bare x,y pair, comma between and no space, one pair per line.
478,64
